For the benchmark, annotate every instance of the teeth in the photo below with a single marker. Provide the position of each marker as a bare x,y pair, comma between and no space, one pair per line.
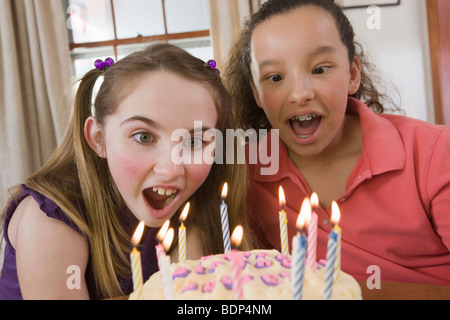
162,191
306,117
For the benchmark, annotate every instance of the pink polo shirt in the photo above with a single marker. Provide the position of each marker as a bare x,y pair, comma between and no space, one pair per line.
395,212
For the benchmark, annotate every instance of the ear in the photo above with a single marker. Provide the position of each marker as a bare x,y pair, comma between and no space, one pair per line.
255,94
93,136
355,77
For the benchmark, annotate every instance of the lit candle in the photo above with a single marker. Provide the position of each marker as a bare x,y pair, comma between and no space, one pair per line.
165,270
335,218
136,265
332,252
224,219
160,237
182,234
283,223
299,252
312,235
236,268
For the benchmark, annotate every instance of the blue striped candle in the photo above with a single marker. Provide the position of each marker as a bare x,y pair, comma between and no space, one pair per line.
298,265
224,219
329,271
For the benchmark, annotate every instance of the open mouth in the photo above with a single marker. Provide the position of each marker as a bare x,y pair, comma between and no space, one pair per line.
305,125
159,198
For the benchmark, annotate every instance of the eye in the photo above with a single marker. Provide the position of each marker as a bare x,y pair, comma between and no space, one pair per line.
143,137
194,143
275,78
321,70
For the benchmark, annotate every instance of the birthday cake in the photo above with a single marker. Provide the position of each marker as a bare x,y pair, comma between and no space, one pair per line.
265,274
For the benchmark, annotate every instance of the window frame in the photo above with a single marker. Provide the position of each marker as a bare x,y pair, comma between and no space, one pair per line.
114,43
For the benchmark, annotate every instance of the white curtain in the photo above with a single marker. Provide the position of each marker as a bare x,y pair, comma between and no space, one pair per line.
227,19
35,70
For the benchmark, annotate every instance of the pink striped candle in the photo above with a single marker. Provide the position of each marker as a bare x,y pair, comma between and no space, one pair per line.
236,239
312,235
164,263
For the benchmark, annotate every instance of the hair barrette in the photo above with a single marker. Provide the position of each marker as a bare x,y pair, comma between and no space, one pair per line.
212,65
101,65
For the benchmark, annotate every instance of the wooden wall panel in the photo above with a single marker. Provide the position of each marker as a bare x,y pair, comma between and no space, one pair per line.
439,33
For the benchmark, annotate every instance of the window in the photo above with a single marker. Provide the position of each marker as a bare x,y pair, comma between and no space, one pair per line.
115,28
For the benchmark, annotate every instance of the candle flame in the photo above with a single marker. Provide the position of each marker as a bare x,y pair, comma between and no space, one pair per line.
185,212
138,234
224,191
167,242
314,200
335,213
281,197
236,236
162,232
305,214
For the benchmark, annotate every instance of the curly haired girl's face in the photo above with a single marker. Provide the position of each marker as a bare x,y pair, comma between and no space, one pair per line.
138,144
302,78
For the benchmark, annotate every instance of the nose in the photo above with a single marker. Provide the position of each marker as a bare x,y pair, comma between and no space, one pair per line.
166,168
301,90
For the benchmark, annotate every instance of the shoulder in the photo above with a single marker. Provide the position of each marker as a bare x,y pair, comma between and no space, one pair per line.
46,248
417,128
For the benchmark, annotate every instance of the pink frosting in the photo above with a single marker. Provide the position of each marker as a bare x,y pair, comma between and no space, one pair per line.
262,255
263,263
190,287
270,279
209,286
199,269
180,272
226,281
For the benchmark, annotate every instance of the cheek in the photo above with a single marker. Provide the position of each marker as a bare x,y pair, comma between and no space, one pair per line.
196,175
271,103
125,170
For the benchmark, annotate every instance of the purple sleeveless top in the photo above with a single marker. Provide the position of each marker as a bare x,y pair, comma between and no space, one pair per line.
9,282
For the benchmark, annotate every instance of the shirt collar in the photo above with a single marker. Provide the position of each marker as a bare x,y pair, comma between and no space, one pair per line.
383,148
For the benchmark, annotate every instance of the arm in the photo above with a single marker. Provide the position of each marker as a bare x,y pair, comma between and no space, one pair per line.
438,186
46,249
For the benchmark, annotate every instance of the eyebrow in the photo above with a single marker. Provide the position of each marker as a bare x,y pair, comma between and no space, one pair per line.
145,120
322,50
155,125
319,51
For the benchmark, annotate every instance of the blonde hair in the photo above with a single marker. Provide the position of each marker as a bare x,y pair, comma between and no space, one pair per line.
79,181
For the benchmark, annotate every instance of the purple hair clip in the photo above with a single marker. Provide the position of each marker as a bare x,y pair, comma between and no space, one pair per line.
101,65
212,65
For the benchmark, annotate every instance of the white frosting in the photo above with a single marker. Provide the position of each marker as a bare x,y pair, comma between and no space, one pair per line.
266,275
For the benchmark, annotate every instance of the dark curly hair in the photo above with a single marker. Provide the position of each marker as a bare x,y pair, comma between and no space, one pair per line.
237,73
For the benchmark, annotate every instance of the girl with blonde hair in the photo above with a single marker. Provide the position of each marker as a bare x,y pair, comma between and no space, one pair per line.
114,169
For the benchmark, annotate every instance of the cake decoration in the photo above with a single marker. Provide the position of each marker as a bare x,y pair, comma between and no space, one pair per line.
226,281
209,286
190,287
210,278
270,279
181,272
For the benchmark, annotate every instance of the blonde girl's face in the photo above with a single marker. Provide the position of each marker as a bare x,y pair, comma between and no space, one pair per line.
138,144
302,78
